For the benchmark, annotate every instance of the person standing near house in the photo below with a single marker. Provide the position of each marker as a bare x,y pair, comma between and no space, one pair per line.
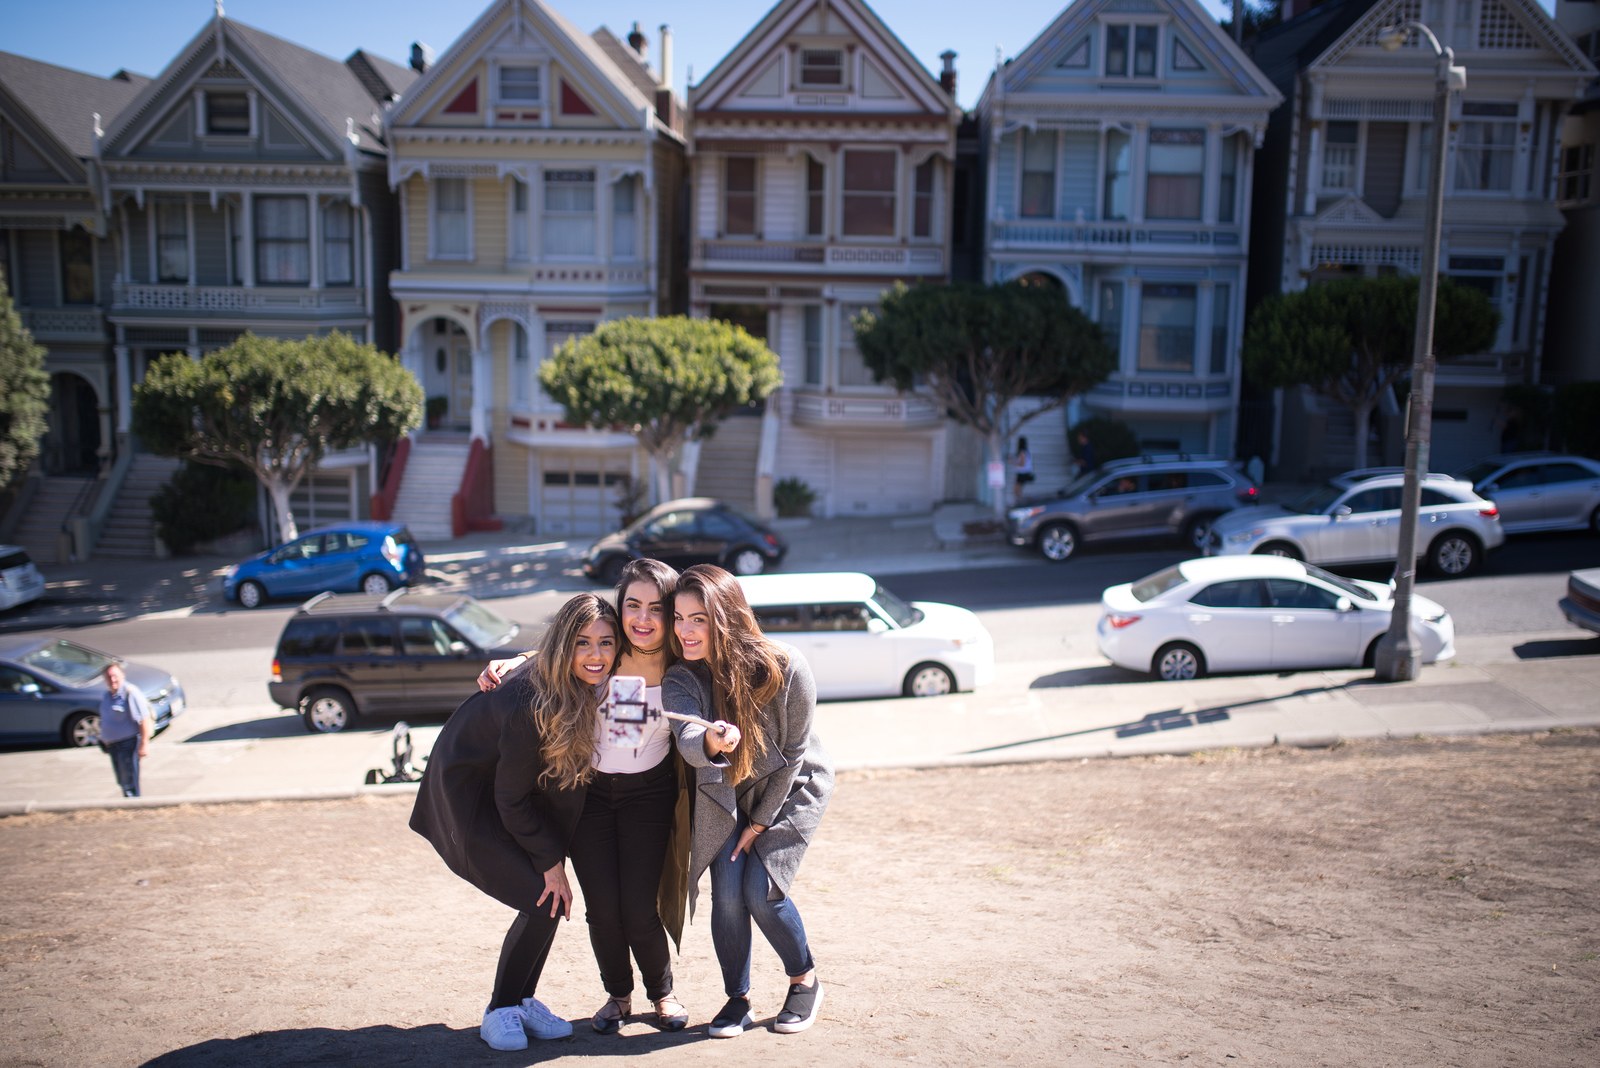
1021,469
126,724
1083,459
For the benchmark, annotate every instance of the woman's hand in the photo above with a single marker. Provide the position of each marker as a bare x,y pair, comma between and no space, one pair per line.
721,737
497,670
558,890
747,838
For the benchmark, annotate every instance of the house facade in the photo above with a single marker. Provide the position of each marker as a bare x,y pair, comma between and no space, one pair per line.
822,157
1119,148
539,175
1342,190
1572,327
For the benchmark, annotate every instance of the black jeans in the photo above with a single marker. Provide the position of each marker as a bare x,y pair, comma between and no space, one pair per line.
522,956
617,852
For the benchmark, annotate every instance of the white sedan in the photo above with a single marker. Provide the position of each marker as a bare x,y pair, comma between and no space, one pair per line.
1256,613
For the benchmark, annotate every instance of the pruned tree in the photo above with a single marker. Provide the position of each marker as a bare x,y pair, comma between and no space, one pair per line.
24,392
1351,339
276,407
975,349
668,380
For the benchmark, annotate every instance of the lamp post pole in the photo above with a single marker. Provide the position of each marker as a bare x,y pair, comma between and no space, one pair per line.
1397,658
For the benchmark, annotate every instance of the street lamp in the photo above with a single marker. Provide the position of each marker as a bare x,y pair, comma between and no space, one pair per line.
1397,658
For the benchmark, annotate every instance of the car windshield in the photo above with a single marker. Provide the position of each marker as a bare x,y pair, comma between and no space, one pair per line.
1079,484
1316,501
1476,473
1344,584
900,611
67,660
1157,584
484,628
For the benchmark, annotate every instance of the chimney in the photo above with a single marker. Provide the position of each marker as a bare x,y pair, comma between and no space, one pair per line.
947,76
421,57
637,42
666,58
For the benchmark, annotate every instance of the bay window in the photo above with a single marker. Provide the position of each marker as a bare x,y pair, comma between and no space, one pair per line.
1339,156
868,195
1175,174
283,240
625,219
517,246
1118,175
451,230
739,196
922,203
338,245
1038,175
811,327
569,219
1109,315
1220,305
852,369
1166,328
1228,181
1486,147
816,198
172,240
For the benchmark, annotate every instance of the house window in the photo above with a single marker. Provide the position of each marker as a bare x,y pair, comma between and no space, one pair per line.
1486,147
821,67
283,241
1137,62
77,266
869,177
1166,329
922,205
1219,329
1038,175
451,230
812,328
739,196
852,369
172,241
1228,181
1577,172
816,198
1119,176
1339,157
520,85
228,114
338,245
521,375
569,213
1109,316
518,245
624,219
1176,174
558,333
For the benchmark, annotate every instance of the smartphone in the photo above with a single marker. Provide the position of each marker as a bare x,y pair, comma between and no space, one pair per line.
626,700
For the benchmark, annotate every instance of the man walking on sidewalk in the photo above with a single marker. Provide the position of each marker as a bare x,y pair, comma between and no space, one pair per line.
125,728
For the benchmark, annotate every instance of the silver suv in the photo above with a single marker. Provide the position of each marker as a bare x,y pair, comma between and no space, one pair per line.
1356,520
1140,497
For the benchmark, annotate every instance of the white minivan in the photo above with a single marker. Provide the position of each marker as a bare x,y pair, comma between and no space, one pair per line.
863,641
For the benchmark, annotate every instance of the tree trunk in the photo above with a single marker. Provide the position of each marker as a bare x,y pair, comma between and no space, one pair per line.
1001,494
279,490
1363,417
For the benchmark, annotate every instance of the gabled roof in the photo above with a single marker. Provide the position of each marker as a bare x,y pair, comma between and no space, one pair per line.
383,79
1289,47
64,101
627,61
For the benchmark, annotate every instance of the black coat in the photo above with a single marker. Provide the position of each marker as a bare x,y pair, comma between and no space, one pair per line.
480,802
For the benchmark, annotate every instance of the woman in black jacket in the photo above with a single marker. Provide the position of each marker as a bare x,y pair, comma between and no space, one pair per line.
502,795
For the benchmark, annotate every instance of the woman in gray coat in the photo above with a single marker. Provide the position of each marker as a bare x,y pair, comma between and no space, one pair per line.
762,782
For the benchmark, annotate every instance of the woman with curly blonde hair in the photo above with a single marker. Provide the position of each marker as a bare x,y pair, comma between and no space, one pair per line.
763,780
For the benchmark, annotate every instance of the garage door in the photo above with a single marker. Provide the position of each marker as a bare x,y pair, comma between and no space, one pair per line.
883,476
576,493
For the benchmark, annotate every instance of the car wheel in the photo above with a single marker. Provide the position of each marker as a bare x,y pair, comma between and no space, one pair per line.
610,570
376,584
81,729
1178,661
928,680
746,561
1454,554
1197,531
1279,548
251,594
327,710
1057,541
1371,659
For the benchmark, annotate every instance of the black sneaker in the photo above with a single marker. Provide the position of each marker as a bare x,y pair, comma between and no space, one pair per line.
732,1020
800,1008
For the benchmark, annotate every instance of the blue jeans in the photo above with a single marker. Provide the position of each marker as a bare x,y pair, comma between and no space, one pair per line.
739,894
125,762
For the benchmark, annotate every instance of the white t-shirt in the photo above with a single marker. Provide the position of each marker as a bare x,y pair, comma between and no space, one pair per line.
652,749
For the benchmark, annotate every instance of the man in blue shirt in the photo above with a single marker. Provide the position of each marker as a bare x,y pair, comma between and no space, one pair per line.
125,728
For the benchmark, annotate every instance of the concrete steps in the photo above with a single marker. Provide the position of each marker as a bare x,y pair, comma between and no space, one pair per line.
130,530
433,475
727,468
39,530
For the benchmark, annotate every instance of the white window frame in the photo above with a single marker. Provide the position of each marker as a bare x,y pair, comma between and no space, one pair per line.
1128,72
1353,165
520,221
801,69
263,240
435,252
1148,294
845,342
330,210
496,74
553,179
1025,140
846,193
626,233
204,124
1465,150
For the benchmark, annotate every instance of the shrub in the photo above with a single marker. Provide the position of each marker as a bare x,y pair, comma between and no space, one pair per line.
1576,424
1112,439
792,497
202,503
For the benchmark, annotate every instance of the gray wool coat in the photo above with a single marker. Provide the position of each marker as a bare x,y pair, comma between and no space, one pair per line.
788,792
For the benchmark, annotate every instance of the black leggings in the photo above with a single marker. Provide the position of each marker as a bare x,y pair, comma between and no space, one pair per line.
522,956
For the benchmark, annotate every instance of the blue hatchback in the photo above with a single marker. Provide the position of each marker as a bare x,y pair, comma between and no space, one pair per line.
371,557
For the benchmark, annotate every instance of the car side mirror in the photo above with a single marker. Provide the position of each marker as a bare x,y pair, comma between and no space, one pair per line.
1342,511
877,626
32,689
459,648
1343,604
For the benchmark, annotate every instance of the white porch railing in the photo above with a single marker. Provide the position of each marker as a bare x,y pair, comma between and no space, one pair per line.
142,297
62,324
897,412
819,256
1067,234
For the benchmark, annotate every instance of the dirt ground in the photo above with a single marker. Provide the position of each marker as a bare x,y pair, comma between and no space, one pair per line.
1399,903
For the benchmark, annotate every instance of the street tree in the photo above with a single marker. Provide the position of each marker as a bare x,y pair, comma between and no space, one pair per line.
1351,339
977,348
275,407
668,380
24,392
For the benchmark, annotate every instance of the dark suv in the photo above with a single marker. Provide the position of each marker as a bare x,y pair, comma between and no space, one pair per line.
1140,497
410,652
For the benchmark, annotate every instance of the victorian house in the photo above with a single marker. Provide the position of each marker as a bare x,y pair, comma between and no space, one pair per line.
1572,329
822,156
1118,152
539,171
244,189
1341,189
58,264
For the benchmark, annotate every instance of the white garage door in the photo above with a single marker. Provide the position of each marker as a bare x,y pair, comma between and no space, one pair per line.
576,493
883,476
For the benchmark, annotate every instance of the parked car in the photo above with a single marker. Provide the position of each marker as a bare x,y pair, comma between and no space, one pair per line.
410,652
1133,498
1357,521
691,530
1256,613
20,581
369,556
1539,490
50,690
1581,605
863,641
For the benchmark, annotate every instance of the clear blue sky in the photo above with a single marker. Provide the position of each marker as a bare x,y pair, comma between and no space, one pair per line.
100,36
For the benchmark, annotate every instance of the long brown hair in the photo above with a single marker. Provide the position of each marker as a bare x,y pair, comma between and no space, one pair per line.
665,579
565,711
746,666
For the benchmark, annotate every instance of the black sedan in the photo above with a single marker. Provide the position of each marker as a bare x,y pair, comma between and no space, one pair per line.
692,530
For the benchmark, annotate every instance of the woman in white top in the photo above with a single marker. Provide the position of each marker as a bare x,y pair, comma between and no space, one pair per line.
1022,469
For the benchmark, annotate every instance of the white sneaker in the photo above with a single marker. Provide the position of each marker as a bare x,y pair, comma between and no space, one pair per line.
502,1028
541,1022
